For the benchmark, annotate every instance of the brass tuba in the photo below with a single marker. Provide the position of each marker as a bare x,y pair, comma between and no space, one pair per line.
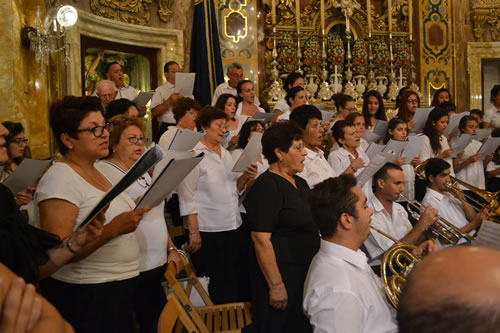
396,265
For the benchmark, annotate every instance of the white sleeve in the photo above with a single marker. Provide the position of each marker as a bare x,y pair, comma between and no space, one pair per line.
332,312
186,192
54,185
488,115
337,163
216,95
492,166
426,149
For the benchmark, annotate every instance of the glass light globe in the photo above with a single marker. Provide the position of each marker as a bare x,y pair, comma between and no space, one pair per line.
67,16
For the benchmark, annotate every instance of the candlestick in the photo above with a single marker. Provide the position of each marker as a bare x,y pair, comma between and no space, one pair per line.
389,12
322,14
369,18
273,12
410,18
297,15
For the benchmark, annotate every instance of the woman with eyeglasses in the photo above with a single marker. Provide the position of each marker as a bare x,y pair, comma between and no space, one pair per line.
284,238
208,201
408,106
95,291
127,141
17,150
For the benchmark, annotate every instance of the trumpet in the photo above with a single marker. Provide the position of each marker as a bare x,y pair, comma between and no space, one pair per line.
396,265
443,229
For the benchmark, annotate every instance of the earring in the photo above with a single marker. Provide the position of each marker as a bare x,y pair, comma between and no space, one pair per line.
70,147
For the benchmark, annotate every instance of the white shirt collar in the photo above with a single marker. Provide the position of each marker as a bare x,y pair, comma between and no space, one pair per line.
435,194
356,258
313,154
376,204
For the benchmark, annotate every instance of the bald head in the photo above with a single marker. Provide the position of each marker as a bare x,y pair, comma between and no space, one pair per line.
453,290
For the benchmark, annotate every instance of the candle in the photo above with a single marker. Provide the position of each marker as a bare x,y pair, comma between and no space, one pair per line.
410,18
390,47
389,13
336,81
369,18
322,14
297,15
347,23
400,77
273,12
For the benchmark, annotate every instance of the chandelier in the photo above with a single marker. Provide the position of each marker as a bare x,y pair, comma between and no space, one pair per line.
48,36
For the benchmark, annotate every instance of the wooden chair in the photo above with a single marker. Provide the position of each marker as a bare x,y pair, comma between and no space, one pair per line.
214,318
171,314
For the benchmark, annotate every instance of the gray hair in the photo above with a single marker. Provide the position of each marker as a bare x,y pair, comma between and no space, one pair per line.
233,65
106,83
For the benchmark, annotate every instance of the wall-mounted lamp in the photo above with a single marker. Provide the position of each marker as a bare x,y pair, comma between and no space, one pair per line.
48,35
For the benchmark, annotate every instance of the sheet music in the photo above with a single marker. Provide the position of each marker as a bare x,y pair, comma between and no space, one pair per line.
184,83
395,147
26,174
373,149
143,98
266,117
371,137
454,122
168,178
381,127
326,116
140,167
489,146
412,148
250,154
375,164
488,235
483,133
420,118
462,142
185,139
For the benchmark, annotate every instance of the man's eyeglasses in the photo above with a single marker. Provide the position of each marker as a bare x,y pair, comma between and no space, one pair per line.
135,140
98,131
19,141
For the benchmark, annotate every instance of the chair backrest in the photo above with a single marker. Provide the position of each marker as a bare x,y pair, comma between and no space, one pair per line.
171,313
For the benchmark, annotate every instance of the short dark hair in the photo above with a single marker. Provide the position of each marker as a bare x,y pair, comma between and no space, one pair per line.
448,106
383,171
341,100
304,113
331,198
381,108
66,114
168,64
245,132
495,133
435,166
108,66
118,106
338,129
292,93
207,115
494,92
279,135
352,116
183,105
449,315
221,101
290,80
463,122
478,112
393,123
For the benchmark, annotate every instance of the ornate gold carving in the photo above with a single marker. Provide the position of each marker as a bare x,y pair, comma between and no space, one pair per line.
131,11
486,11
311,10
164,10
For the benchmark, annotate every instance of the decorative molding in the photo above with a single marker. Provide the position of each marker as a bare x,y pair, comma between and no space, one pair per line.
131,11
483,13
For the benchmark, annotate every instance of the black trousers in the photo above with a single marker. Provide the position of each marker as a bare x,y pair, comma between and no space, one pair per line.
149,299
222,257
94,308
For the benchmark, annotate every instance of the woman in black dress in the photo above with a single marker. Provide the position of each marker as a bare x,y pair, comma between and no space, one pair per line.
284,237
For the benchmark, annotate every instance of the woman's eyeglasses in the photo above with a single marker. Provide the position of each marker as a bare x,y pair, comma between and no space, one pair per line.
19,141
135,140
98,131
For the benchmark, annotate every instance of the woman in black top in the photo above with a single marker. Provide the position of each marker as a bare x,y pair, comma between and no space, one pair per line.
284,237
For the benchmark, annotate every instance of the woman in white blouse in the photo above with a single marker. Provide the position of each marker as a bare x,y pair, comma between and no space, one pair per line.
292,80
492,115
295,97
359,121
208,199
435,143
185,111
246,97
156,247
95,291
227,103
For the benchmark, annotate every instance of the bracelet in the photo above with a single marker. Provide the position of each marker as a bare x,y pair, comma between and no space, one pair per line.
68,246
172,248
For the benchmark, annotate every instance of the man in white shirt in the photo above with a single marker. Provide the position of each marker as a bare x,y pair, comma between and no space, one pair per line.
390,217
164,98
453,290
341,292
235,75
452,208
106,91
316,167
114,72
